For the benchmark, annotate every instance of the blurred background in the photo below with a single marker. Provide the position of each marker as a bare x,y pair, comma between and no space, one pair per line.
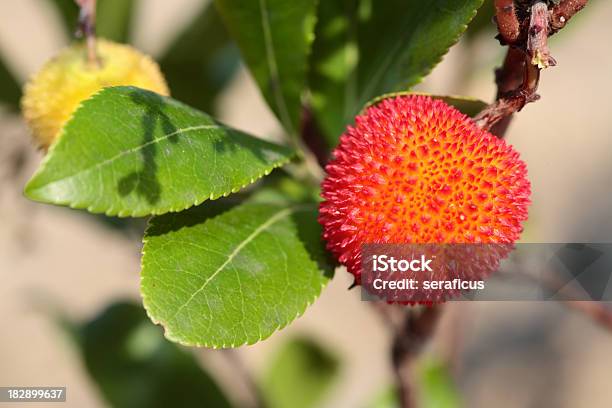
60,269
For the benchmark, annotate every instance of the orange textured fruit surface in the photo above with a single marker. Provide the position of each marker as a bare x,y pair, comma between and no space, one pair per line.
416,170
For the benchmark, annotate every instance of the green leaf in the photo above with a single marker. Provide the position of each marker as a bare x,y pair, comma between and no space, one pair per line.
275,38
201,60
281,190
300,375
437,387
134,366
365,48
131,152
483,22
113,17
465,104
229,280
10,91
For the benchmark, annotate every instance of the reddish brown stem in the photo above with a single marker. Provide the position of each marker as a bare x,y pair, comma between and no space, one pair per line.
517,83
596,311
311,135
563,12
528,53
410,337
537,40
507,21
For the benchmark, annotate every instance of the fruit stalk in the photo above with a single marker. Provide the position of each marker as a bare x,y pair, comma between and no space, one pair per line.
87,29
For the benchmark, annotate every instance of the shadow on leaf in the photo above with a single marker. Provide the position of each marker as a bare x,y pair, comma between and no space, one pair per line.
144,182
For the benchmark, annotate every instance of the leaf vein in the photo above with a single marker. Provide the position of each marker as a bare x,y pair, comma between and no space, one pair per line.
261,228
134,150
273,66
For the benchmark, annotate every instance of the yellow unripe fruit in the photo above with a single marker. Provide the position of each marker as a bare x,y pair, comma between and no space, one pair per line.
53,94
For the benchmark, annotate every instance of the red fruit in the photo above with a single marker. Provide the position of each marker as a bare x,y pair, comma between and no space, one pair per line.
416,170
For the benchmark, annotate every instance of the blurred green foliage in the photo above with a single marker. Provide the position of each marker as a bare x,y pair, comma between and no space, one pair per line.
135,366
387,398
300,375
436,386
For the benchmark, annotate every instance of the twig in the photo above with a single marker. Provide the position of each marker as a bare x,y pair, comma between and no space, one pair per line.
563,12
528,53
537,40
408,343
507,21
240,371
510,98
87,28
411,330
595,310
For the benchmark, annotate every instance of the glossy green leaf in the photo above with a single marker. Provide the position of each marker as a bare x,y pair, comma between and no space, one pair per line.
131,152
365,48
232,279
281,190
483,22
10,91
275,38
134,366
300,375
113,17
333,66
201,60
465,104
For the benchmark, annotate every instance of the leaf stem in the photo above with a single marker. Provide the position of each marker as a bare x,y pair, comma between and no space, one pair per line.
310,160
311,164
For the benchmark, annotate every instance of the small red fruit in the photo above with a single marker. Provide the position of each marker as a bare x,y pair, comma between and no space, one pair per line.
416,170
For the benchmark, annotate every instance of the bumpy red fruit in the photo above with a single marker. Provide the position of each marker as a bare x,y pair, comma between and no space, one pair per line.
416,170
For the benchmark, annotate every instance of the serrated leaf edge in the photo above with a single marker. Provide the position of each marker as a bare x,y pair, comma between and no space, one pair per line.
380,98
171,337
80,205
419,78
